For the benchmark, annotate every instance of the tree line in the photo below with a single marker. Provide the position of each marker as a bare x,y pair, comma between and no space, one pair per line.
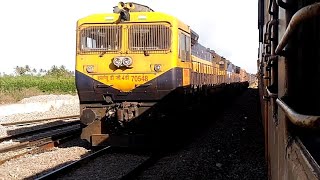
60,71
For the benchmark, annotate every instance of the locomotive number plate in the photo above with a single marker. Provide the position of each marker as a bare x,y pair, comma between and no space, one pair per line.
124,77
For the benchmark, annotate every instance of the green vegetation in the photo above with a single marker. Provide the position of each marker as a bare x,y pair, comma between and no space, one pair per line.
43,83
27,82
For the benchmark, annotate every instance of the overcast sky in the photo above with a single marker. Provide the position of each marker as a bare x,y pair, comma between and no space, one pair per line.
41,33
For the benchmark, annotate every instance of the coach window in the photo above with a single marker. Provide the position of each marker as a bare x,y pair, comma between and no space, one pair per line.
188,47
221,65
184,47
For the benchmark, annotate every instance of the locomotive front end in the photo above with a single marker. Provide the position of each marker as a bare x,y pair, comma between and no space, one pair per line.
123,67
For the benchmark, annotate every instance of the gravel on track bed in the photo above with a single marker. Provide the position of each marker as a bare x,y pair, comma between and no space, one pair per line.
108,166
231,148
31,166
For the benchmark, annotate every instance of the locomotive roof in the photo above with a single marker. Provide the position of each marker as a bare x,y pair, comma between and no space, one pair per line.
136,17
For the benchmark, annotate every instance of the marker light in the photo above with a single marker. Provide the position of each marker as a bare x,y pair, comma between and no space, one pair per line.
130,5
90,68
157,67
127,61
117,61
109,18
142,17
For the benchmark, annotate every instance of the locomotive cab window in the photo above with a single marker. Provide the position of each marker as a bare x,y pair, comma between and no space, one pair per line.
155,37
184,47
100,38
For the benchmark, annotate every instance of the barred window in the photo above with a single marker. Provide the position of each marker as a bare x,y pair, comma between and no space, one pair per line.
100,38
149,38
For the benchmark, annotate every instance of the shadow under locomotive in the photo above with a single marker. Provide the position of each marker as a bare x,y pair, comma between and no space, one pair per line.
152,115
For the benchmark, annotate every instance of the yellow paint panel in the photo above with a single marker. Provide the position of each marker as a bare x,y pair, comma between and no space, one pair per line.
186,77
142,69
124,82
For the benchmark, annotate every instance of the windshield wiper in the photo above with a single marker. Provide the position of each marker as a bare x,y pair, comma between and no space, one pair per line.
103,53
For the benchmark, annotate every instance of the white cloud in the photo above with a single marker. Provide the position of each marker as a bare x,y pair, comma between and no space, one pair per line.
42,33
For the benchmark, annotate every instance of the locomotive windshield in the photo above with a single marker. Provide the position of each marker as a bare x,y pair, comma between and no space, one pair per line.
136,38
100,38
149,37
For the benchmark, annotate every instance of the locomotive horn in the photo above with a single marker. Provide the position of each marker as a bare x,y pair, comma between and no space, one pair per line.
130,5
121,5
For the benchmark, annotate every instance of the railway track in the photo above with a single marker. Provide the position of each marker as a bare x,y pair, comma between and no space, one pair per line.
45,138
40,121
32,147
37,145
37,140
76,165
39,132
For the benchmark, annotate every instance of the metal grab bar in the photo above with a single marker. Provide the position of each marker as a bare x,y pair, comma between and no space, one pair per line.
270,7
283,4
301,15
270,60
272,23
299,119
271,94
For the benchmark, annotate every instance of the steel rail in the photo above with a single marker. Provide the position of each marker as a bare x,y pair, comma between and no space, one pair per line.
76,164
38,131
36,145
23,145
39,120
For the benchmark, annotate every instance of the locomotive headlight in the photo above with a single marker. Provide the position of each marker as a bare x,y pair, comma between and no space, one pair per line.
157,67
90,68
117,61
127,61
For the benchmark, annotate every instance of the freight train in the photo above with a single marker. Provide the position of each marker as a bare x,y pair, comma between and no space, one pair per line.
130,60
289,67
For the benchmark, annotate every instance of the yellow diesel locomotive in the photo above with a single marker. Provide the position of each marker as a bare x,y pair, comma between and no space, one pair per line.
129,60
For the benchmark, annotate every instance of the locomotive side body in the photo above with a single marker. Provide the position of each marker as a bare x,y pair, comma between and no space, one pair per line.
288,65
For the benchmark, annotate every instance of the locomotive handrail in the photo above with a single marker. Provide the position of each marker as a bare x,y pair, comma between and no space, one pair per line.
272,23
300,16
270,7
282,4
271,94
270,59
298,119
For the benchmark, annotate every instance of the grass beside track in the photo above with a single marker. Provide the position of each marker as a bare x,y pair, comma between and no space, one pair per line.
15,88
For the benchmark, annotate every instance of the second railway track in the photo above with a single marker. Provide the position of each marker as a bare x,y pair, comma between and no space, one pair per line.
23,131
37,141
39,121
